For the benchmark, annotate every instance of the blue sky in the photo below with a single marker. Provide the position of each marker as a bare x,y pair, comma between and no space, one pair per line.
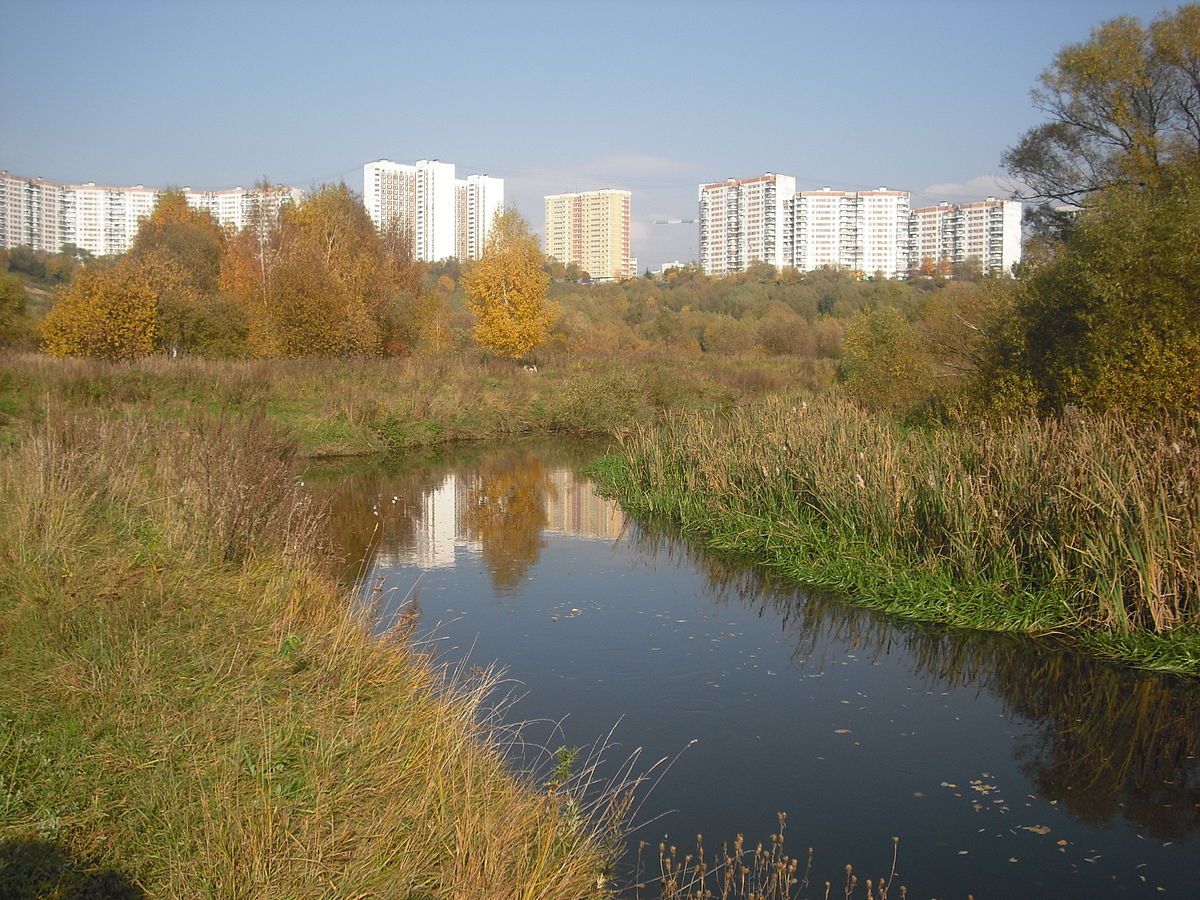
652,96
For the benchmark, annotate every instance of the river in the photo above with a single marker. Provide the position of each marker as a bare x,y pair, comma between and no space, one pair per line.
1007,767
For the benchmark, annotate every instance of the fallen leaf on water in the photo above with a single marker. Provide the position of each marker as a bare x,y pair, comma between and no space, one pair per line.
1039,829
841,731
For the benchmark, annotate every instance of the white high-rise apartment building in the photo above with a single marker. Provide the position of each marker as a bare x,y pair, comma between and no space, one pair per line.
448,216
485,198
988,231
865,231
883,232
435,225
824,230
31,213
240,207
591,229
744,221
390,193
104,220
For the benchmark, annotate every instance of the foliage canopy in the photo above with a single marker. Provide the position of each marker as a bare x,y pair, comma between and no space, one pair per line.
1113,320
1121,107
108,313
506,290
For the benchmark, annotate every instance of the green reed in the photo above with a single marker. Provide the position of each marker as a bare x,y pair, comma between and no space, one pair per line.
1087,525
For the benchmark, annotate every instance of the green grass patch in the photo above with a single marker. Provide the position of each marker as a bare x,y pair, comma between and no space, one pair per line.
376,406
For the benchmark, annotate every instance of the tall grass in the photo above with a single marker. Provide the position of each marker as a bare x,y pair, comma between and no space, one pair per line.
371,406
1088,525
187,696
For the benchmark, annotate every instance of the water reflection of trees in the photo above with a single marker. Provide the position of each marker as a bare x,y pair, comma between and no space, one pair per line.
505,510
1110,742
376,509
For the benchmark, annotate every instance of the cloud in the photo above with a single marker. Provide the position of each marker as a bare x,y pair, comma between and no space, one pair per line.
999,186
640,166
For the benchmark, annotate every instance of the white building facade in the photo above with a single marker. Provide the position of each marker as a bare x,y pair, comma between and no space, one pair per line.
875,232
747,220
104,220
239,207
31,213
485,198
864,231
988,231
882,222
823,229
448,216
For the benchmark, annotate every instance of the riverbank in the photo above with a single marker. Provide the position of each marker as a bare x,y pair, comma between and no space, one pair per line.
380,406
188,702
1087,529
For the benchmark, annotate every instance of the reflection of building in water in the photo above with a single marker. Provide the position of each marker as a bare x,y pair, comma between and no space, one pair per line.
440,528
436,529
573,507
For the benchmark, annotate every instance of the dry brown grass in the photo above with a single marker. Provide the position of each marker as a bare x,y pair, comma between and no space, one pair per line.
186,693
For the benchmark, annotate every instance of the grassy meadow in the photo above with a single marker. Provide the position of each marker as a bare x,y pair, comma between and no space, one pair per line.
379,406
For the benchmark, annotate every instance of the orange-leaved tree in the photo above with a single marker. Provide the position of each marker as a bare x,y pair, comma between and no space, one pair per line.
161,295
316,283
108,312
179,250
506,290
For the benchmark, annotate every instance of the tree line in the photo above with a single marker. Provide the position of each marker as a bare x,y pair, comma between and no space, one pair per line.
308,280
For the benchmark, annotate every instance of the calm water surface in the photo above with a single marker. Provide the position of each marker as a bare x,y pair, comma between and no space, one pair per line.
1007,769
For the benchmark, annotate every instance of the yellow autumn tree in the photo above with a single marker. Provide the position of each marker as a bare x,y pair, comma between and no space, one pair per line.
506,290
318,282
179,250
109,313
160,296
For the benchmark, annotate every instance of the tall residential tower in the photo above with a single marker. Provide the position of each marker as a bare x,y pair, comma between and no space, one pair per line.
746,221
988,232
448,216
591,229
873,232
865,231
